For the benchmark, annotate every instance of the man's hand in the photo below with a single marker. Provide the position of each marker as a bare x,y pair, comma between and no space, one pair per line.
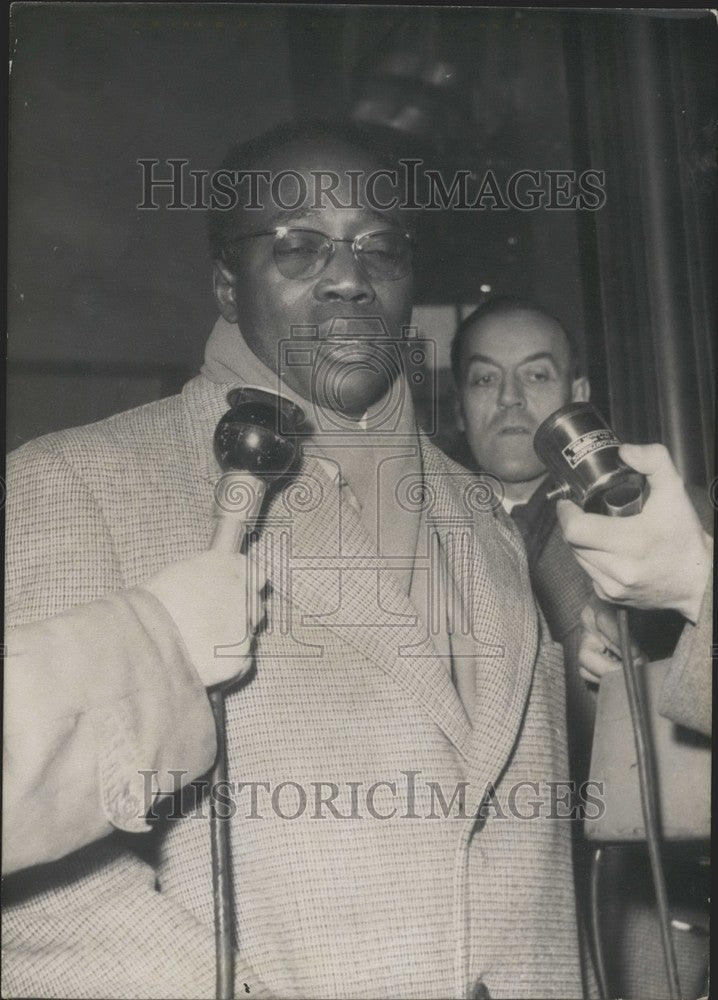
215,600
600,650
658,559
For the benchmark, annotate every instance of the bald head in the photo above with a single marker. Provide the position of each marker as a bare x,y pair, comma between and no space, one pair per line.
514,365
506,307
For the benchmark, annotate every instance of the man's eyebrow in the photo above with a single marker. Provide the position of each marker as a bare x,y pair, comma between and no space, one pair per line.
538,356
483,358
298,213
280,217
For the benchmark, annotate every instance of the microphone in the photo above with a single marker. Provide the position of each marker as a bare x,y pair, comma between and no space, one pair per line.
581,451
256,444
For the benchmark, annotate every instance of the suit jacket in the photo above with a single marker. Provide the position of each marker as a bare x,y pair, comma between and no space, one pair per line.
348,693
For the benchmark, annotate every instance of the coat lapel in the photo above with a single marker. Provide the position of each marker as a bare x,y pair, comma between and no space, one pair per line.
490,569
326,572
332,578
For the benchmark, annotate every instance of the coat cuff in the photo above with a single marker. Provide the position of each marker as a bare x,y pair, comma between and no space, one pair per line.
158,733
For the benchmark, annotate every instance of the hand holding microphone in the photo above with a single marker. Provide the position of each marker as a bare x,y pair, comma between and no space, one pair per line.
658,559
215,601
600,650
649,552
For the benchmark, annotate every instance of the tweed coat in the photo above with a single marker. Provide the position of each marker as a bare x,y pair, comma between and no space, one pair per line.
562,591
348,692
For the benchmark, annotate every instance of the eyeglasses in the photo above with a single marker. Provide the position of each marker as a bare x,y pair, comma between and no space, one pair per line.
304,253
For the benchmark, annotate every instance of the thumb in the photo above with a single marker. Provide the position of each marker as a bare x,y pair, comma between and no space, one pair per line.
566,511
653,460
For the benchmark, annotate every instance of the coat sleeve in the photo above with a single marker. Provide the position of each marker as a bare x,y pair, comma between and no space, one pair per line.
92,923
686,694
103,713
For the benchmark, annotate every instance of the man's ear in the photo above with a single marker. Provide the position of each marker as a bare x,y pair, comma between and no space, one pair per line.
224,285
580,390
459,414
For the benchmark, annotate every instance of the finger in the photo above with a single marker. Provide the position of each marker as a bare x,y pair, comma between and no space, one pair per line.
605,586
596,642
606,649
593,637
567,512
597,664
588,617
591,531
600,592
652,460
622,572
607,629
593,608
607,624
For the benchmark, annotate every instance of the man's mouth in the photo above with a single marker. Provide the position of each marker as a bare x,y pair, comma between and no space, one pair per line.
353,329
514,429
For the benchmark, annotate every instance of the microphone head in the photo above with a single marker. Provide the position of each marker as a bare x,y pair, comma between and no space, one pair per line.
259,434
579,448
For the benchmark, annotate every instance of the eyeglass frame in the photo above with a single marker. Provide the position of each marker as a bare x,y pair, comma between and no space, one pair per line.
278,231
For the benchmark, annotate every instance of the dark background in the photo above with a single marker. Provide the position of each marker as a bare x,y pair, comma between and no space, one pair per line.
110,306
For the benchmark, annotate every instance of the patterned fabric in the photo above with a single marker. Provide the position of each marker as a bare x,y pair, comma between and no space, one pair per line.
536,520
376,457
377,462
349,692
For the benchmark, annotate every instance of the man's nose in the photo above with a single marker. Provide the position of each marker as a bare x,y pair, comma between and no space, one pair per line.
343,279
511,393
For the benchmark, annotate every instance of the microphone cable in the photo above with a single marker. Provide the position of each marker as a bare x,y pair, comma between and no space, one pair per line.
649,799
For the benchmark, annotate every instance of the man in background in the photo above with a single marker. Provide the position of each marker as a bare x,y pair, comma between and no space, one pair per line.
514,365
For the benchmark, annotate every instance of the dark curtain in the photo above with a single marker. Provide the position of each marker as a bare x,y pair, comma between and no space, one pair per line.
644,110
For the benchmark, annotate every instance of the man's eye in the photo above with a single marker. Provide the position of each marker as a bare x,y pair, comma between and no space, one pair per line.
379,253
534,375
482,379
295,250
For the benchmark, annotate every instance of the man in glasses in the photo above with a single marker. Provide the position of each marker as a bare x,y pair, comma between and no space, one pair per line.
393,758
